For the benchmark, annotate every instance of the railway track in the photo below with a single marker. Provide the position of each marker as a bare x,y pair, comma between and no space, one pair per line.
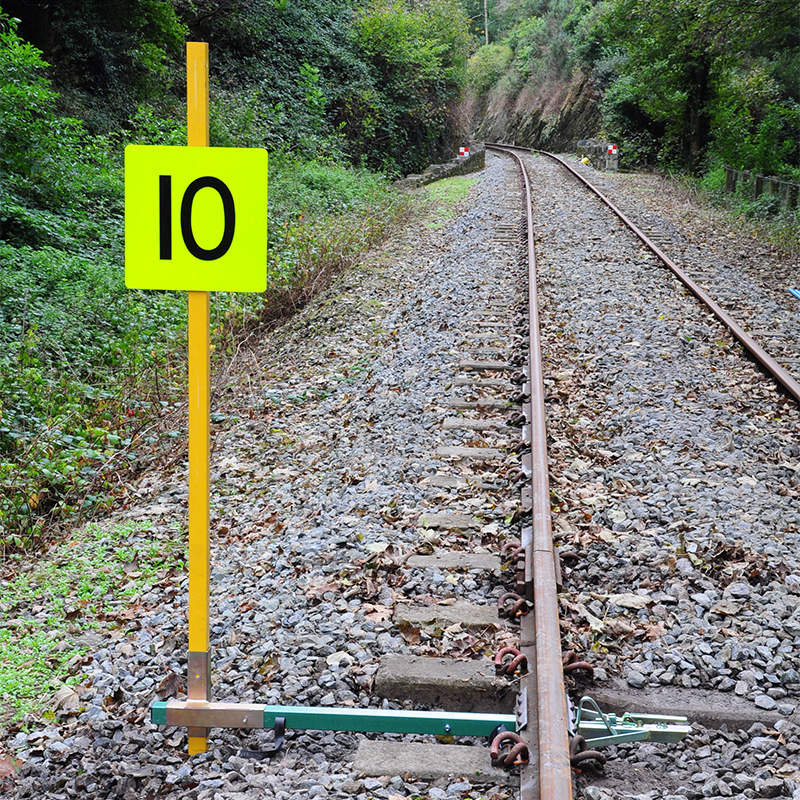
643,569
366,479
657,240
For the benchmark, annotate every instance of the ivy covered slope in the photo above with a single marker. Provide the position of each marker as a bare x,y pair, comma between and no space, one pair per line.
681,84
345,96
372,80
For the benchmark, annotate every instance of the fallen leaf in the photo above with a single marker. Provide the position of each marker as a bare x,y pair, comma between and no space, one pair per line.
653,632
595,623
618,627
170,686
66,699
338,657
131,566
318,586
9,766
377,613
729,607
410,634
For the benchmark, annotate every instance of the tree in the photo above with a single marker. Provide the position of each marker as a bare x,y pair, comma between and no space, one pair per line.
673,53
417,57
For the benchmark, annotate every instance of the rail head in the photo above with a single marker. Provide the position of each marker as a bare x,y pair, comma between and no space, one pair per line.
554,775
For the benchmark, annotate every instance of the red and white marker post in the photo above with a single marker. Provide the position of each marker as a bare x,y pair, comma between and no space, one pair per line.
612,158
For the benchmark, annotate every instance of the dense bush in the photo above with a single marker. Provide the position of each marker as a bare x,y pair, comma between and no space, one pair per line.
88,369
312,77
487,66
691,84
417,56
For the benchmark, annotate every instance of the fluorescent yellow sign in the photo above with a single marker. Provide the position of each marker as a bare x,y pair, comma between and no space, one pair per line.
196,218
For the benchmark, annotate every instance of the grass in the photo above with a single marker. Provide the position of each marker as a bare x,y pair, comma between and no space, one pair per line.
446,195
83,584
762,216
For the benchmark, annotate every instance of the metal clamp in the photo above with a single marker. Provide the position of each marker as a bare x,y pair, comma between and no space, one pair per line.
601,730
280,733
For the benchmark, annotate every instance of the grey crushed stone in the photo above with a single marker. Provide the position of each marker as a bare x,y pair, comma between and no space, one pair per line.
676,467
322,459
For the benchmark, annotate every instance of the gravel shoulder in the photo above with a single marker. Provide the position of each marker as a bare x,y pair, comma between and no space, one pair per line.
323,435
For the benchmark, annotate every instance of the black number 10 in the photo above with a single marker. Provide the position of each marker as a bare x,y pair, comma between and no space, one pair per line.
165,218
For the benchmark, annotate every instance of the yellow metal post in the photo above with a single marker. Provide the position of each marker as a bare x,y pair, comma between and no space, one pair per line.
199,684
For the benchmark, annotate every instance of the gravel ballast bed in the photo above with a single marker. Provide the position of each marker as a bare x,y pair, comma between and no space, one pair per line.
674,469
675,474
323,449
748,277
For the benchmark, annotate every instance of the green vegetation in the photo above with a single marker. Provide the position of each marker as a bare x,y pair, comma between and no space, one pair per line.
417,54
487,66
75,349
684,85
445,195
528,42
92,376
702,82
696,84
364,79
47,613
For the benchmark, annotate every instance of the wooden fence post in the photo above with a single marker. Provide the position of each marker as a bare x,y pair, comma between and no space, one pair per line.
730,180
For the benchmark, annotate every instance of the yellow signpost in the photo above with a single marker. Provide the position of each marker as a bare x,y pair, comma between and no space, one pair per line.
196,220
199,656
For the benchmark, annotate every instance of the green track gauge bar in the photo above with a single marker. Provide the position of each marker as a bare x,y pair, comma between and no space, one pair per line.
251,715
377,720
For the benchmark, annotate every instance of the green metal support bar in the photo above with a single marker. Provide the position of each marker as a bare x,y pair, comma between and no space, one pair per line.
245,715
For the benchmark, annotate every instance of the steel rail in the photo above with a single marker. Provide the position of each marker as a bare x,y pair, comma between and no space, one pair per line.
761,356
551,746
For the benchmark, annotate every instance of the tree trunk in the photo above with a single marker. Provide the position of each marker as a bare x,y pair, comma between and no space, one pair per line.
698,126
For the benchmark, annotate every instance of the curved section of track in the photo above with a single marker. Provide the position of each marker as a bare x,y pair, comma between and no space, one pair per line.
759,354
